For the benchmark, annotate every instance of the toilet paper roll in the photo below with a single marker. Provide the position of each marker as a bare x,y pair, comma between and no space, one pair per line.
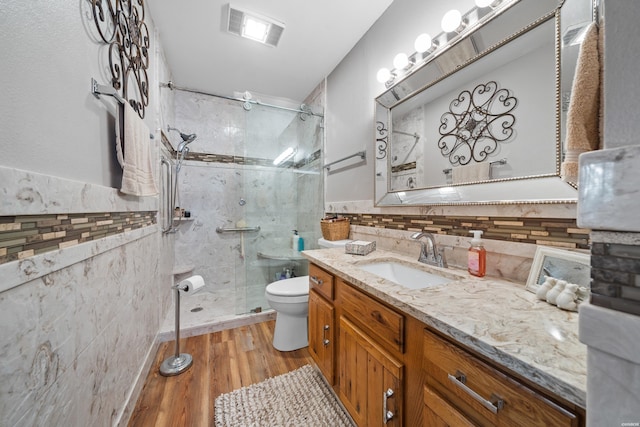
191,284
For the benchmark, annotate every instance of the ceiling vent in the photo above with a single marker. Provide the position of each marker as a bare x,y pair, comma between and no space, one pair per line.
253,26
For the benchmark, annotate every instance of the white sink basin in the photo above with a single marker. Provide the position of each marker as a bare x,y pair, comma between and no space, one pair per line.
404,275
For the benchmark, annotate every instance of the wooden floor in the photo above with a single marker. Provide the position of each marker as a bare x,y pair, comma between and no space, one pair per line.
222,362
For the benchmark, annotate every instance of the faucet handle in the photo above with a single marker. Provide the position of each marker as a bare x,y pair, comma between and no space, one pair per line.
441,259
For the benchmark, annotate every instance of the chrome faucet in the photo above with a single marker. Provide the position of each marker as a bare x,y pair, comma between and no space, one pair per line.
429,253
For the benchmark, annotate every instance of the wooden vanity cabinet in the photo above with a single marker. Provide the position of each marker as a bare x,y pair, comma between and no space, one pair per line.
460,388
370,383
322,321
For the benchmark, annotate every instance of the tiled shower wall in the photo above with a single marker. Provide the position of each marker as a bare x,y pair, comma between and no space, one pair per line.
229,178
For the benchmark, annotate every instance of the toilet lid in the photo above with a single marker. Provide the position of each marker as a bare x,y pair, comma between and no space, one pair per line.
290,287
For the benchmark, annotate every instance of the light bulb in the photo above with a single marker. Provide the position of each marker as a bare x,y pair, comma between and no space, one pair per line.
383,75
451,21
401,61
483,3
423,43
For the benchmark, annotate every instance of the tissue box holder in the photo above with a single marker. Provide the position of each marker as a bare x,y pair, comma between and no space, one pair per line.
360,247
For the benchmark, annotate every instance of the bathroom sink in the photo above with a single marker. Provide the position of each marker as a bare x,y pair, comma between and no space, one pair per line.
407,276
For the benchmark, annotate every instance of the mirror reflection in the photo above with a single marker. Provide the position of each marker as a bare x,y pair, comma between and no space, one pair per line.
450,134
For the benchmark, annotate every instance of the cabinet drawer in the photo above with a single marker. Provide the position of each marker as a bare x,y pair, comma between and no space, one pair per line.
495,398
377,319
321,281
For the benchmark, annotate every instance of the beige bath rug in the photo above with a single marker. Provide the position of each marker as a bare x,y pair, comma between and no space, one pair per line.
298,398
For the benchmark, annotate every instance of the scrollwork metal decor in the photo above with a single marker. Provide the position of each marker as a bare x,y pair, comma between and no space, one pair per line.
121,25
381,140
476,123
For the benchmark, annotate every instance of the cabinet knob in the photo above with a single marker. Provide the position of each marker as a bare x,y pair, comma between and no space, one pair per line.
325,342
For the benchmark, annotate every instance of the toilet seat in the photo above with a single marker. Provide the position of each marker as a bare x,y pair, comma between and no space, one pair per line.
294,287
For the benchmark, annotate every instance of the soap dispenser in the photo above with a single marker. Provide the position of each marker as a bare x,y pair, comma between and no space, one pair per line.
477,258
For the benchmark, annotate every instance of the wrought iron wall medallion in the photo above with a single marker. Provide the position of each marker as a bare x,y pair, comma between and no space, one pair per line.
381,140
476,123
121,25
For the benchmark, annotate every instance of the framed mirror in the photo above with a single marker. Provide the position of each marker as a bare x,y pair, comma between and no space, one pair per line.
491,130
572,267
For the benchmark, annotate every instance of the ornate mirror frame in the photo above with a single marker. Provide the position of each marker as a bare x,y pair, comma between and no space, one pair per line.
508,22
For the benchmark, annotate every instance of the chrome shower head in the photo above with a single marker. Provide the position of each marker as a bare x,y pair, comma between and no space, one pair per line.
186,138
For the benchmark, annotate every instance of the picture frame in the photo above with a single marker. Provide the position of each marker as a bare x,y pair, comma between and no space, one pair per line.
574,267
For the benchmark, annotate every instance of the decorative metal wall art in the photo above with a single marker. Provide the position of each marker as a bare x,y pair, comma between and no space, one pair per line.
381,140
476,123
121,25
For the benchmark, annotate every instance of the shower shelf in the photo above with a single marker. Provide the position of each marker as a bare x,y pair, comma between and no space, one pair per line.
282,256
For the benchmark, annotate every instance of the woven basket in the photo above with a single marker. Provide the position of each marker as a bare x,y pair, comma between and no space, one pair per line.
336,230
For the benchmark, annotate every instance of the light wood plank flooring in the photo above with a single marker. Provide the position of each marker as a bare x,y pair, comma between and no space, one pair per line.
222,361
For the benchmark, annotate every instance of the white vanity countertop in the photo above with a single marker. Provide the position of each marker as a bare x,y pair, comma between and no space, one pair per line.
496,318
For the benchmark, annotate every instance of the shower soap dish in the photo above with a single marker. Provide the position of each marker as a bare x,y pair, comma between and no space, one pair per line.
360,247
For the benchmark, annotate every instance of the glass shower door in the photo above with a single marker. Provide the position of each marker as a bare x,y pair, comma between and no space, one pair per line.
277,198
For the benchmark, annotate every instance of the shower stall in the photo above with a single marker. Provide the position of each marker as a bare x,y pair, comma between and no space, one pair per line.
243,207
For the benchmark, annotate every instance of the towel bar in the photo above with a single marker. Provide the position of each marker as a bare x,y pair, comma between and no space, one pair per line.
233,229
497,162
362,154
98,89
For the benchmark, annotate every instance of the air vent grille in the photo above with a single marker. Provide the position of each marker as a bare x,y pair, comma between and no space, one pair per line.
236,19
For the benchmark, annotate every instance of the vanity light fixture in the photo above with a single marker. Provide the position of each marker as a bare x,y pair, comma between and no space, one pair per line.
423,43
452,22
285,155
401,61
253,26
488,3
425,46
384,75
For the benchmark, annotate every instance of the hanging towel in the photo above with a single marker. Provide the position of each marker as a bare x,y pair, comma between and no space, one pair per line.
119,130
583,117
137,177
471,173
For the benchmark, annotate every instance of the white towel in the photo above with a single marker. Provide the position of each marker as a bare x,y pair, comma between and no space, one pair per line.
471,173
583,121
137,176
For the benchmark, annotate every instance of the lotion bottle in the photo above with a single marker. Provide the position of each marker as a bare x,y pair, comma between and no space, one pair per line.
477,257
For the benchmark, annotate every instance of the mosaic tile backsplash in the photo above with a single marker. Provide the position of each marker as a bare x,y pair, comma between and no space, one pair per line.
558,232
615,277
23,236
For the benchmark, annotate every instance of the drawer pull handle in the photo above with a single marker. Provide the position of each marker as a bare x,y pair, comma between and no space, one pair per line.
494,405
315,280
386,414
325,341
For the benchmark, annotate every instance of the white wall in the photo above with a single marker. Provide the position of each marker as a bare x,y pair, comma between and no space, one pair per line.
50,121
352,87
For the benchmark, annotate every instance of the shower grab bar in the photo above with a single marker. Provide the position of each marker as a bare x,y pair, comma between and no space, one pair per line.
233,229
98,89
497,162
362,154
168,214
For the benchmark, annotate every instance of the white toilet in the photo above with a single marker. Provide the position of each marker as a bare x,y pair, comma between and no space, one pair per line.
290,299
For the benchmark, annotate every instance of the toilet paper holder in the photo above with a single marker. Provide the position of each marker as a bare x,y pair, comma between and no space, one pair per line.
180,362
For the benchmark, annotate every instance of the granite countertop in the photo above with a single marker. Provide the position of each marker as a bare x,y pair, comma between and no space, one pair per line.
498,319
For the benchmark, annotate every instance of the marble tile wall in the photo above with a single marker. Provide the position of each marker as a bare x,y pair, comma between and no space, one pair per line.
79,322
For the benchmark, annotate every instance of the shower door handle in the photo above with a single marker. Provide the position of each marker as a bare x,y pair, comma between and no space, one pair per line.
168,214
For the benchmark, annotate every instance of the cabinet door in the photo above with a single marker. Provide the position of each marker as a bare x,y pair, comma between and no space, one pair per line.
439,413
370,379
321,334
